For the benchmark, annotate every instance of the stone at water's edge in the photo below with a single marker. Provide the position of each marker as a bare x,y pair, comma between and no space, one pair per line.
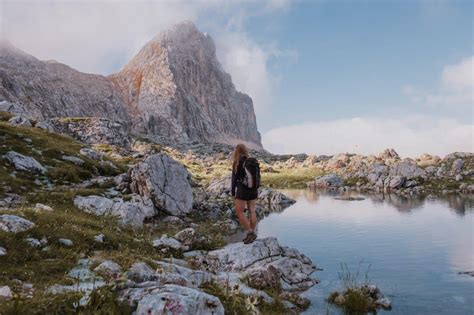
165,181
295,268
326,181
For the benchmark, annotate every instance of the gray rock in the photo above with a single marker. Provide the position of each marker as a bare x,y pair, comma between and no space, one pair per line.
39,207
24,163
73,159
185,236
458,177
5,293
179,300
33,242
99,238
396,182
327,181
238,257
140,272
263,277
109,268
165,182
406,168
132,212
469,273
44,125
66,242
20,121
268,196
3,251
165,242
14,224
92,154
457,166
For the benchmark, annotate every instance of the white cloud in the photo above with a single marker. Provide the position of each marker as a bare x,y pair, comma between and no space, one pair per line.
101,36
459,76
456,87
411,136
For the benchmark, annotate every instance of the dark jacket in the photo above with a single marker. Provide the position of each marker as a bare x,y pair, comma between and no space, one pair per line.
238,189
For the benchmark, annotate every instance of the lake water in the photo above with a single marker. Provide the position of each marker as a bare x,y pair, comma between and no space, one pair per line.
415,247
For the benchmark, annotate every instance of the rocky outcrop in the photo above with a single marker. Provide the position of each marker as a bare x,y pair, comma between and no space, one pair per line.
93,130
326,181
165,182
295,268
176,87
132,212
50,89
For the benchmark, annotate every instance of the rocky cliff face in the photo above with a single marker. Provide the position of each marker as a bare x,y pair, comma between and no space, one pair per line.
50,89
174,87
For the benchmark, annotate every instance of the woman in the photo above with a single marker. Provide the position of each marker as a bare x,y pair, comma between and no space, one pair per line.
245,197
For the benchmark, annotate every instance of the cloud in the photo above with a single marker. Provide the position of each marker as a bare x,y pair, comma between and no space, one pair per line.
456,87
101,36
411,136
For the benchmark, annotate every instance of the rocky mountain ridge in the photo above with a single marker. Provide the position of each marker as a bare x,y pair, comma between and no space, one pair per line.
174,87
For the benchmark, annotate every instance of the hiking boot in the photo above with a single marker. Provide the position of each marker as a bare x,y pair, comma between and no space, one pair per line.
251,236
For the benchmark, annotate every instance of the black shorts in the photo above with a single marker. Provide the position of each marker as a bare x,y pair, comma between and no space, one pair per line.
245,193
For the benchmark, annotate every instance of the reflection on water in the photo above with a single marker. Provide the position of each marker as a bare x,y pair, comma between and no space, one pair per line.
416,246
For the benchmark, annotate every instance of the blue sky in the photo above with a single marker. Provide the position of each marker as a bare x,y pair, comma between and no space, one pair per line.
325,76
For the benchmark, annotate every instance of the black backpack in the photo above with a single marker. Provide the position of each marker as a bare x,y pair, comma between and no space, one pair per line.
251,176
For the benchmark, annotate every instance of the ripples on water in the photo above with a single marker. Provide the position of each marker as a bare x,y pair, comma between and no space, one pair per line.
415,247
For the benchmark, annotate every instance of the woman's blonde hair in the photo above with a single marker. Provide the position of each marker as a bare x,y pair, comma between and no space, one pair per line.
240,150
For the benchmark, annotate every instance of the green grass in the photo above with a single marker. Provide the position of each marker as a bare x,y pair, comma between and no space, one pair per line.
47,148
290,178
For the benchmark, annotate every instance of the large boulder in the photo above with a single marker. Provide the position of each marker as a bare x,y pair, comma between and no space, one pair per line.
176,299
295,268
14,224
327,181
24,163
20,121
165,182
406,168
132,212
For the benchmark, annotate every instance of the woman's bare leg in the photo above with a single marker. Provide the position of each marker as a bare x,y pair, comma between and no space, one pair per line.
239,209
251,205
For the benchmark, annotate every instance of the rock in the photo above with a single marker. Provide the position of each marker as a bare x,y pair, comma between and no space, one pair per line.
140,272
99,238
92,154
20,121
327,181
389,154
396,182
349,198
469,273
165,182
44,125
178,300
94,130
406,168
427,160
132,212
24,163
5,293
3,251
14,224
458,177
185,236
66,242
109,268
263,278
39,207
219,186
457,166
268,196
385,303
73,159
165,242
238,257
33,242
11,201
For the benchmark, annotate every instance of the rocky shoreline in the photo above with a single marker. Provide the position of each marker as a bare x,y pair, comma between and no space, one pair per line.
175,202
